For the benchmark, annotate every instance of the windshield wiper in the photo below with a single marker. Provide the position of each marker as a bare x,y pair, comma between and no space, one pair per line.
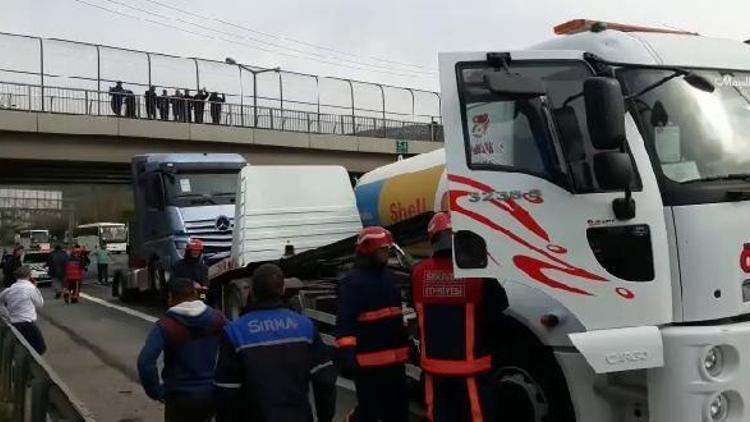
203,196
224,194
734,176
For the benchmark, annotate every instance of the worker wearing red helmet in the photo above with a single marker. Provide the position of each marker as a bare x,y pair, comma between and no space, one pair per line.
191,266
458,319
371,340
74,272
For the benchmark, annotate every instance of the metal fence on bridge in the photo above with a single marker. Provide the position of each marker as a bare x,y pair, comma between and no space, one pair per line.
62,76
28,97
29,389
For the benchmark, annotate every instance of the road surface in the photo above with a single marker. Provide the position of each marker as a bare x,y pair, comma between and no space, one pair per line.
93,345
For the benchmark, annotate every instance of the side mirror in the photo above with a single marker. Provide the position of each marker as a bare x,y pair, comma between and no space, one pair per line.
605,111
614,171
514,85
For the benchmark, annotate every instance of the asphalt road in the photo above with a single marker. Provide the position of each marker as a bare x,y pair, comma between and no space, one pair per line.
93,345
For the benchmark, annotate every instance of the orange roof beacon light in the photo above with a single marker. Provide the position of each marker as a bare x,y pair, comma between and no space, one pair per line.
582,25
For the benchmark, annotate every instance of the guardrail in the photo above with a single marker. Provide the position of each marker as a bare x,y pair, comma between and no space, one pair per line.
29,389
27,97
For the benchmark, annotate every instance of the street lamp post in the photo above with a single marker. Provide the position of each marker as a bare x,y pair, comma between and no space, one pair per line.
255,74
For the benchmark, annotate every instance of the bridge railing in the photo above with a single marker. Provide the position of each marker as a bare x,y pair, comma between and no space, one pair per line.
29,389
29,97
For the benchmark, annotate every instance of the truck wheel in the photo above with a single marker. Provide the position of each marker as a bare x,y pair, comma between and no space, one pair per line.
119,290
159,280
531,386
235,297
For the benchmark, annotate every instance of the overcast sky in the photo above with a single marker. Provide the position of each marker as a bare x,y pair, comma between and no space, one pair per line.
390,41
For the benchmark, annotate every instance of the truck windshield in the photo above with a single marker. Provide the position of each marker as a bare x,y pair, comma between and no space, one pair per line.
698,137
40,237
114,234
33,258
196,189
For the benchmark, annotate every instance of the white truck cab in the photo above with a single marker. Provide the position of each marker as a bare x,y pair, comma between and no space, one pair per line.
603,177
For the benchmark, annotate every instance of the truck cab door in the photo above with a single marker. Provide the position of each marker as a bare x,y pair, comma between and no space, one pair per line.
526,204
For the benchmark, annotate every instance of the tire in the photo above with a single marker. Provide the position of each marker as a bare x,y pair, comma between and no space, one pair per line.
159,281
119,290
531,385
235,297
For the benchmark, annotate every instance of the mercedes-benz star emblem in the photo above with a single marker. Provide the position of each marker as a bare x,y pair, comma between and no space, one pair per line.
223,224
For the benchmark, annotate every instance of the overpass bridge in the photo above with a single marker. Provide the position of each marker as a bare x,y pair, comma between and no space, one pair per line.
59,122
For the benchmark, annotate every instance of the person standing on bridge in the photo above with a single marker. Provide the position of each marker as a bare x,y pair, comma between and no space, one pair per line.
458,320
200,104
188,101
163,104
177,106
267,359
150,97
21,300
372,344
216,101
116,92
103,259
188,335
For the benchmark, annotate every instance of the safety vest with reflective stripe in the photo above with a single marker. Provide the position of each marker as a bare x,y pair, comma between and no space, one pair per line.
369,321
447,314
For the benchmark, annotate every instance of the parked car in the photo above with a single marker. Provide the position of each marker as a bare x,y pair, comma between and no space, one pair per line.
37,261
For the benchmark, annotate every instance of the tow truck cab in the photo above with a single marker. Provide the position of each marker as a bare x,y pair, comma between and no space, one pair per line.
179,197
603,178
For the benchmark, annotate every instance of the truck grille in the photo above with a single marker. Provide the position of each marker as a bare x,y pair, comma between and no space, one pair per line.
217,244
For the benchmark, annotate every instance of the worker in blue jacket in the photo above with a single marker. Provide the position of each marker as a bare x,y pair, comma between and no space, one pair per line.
188,335
269,357
371,339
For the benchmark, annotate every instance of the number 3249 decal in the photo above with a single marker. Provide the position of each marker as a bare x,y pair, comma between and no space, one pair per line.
534,196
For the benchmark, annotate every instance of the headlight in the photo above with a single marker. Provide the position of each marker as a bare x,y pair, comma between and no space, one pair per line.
713,361
180,244
719,408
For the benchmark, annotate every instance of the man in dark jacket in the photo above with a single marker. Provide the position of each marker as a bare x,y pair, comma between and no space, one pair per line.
188,335
56,264
188,101
267,359
199,104
192,266
150,97
216,100
371,341
177,105
116,92
130,110
10,265
163,105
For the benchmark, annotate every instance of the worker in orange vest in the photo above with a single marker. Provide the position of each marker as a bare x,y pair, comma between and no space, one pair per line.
458,320
371,340
74,271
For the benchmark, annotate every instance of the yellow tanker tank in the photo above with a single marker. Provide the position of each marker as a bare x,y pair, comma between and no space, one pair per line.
404,189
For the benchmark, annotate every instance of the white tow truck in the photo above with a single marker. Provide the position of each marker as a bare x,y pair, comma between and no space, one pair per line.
603,177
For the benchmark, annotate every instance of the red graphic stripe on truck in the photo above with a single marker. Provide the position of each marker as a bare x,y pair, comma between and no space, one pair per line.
508,205
532,267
